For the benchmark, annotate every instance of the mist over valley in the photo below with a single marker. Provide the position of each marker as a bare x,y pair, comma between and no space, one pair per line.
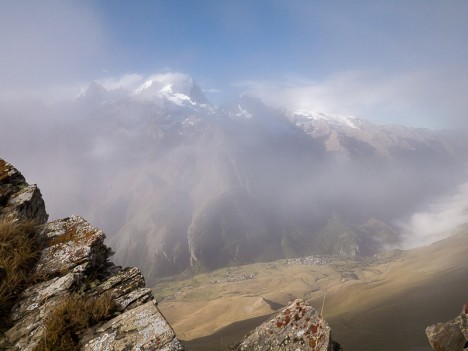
181,185
269,170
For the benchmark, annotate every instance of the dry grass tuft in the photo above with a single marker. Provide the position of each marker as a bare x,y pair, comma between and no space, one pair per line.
19,251
3,169
77,313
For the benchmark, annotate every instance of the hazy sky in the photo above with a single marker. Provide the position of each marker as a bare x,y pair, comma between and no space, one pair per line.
387,61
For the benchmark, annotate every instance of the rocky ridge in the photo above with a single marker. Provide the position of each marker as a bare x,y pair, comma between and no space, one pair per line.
18,199
74,260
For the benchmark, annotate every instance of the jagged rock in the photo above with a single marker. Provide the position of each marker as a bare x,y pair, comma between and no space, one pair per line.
141,328
297,327
73,245
74,259
34,304
127,286
450,336
18,199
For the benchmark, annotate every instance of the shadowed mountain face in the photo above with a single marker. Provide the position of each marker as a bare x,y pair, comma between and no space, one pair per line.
179,184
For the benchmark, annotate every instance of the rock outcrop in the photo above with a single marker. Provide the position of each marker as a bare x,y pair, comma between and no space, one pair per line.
297,327
18,199
74,262
450,336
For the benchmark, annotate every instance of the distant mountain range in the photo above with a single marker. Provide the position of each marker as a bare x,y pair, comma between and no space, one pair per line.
180,184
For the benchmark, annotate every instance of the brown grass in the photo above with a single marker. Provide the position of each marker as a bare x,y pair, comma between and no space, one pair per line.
77,313
19,251
3,169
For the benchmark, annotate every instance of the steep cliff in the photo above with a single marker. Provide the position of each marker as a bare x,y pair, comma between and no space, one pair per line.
71,296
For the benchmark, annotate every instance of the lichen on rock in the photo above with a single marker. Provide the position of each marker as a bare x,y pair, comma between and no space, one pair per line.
74,261
450,336
18,199
141,328
297,327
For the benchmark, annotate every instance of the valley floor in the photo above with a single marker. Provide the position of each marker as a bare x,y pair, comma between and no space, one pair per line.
382,303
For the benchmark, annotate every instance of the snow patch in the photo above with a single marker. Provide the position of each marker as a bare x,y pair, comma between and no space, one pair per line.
348,121
243,113
176,88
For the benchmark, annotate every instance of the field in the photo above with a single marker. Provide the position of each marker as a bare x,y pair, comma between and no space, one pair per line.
380,303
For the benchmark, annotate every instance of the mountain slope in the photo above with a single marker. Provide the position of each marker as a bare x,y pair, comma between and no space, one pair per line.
245,184
187,186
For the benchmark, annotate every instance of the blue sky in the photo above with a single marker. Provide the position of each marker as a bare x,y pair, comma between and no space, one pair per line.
387,61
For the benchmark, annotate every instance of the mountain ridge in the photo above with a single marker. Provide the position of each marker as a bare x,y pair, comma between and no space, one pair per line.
189,187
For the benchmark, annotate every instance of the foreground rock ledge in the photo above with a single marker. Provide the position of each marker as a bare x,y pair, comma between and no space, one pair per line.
297,327
75,259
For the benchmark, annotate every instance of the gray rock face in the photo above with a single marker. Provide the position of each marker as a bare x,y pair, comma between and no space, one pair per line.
297,327
141,328
18,199
450,336
74,260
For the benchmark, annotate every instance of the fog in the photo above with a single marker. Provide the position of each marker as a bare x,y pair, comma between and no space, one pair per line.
177,187
48,48
420,98
441,219
176,182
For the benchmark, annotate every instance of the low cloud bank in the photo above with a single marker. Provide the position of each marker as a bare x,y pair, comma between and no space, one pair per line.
438,222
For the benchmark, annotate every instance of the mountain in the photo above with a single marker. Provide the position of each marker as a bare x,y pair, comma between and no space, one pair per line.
182,185
176,88
360,138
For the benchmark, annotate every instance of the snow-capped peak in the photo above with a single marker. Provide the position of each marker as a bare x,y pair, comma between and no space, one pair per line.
177,88
302,116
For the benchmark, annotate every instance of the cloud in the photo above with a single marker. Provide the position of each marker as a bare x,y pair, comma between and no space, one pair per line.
438,221
418,98
128,81
212,90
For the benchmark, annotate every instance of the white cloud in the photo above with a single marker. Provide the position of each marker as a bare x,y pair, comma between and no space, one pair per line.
439,221
211,90
421,98
127,81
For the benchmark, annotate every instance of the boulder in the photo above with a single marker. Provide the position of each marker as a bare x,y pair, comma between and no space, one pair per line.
297,327
18,199
450,336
